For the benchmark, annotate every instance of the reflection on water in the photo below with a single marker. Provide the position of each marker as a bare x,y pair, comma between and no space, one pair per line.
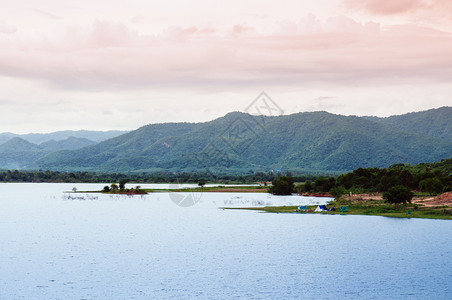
96,246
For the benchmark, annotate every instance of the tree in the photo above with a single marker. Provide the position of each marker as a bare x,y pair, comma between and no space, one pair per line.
431,186
338,191
324,184
122,184
398,194
282,185
202,182
106,189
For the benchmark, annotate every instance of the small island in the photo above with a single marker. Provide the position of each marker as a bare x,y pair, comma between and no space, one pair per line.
121,189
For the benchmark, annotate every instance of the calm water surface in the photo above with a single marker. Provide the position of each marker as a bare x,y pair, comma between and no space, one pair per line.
119,247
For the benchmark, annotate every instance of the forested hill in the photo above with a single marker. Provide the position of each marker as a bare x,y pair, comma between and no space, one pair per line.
433,122
39,138
238,142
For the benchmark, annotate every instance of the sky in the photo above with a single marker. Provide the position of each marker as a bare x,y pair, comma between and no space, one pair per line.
104,65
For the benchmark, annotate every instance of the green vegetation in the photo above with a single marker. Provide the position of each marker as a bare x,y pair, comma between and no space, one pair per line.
202,183
398,194
370,208
431,185
432,179
302,143
157,177
433,122
18,153
283,185
121,189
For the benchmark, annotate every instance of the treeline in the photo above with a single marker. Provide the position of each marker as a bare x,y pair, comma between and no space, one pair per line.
381,180
161,177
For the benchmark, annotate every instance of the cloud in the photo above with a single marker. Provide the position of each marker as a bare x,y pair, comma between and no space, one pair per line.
428,8
310,25
242,29
6,28
111,55
386,6
47,14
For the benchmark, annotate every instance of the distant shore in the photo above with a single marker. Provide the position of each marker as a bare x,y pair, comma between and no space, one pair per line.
439,207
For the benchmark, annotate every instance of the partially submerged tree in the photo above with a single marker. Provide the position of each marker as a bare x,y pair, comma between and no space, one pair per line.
202,182
122,184
283,185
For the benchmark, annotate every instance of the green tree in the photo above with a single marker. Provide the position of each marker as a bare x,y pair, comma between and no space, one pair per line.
324,184
122,184
338,191
283,185
398,194
431,186
202,182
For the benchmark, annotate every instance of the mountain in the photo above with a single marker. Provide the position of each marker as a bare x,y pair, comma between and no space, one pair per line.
4,137
240,142
18,153
39,138
71,143
433,122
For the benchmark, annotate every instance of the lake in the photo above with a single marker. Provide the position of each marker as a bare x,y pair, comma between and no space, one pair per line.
92,246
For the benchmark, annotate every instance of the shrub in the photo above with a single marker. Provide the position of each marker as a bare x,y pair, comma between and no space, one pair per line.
283,185
398,194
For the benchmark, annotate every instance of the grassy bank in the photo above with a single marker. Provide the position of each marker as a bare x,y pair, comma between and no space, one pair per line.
371,207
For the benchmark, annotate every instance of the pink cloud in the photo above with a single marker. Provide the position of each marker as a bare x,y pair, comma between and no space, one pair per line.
336,51
105,34
385,6
241,29
310,25
6,28
392,7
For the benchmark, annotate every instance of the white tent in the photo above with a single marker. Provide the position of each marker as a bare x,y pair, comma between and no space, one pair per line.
318,209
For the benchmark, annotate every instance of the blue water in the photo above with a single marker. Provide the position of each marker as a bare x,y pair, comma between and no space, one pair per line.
143,247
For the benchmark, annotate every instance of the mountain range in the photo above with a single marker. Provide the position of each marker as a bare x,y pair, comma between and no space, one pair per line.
239,142
22,151
39,138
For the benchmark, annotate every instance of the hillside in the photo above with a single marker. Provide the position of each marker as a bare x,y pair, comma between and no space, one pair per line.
444,166
18,153
39,138
239,142
433,122
71,143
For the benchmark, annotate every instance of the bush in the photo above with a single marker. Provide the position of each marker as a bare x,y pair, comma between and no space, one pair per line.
431,186
283,185
338,191
398,194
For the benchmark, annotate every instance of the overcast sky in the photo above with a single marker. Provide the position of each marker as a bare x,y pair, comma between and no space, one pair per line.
100,65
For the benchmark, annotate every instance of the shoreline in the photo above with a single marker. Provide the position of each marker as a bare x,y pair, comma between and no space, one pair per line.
417,214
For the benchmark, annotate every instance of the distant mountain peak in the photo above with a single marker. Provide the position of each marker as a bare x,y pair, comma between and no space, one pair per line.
17,142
